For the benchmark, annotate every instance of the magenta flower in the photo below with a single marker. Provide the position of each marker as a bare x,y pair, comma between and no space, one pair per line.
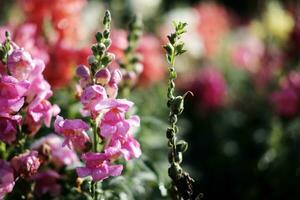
8,127
12,94
26,164
285,102
46,183
39,111
7,180
52,146
74,132
91,97
112,86
103,76
98,167
20,64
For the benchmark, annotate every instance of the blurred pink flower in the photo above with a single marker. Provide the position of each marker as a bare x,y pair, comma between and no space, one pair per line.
208,86
7,181
74,132
8,127
213,24
26,164
51,145
47,183
152,60
248,53
285,102
62,16
98,166
151,52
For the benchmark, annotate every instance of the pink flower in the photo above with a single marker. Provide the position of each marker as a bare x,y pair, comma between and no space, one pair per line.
12,94
20,64
47,183
248,53
214,23
103,76
98,167
91,97
8,127
153,63
27,36
26,164
208,86
285,102
74,132
50,147
39,111
7,180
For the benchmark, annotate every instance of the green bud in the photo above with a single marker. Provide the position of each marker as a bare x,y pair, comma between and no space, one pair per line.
107,18
86,186
107,42
175,171
178,157
182,146
98,36
173,119
106,33
177,105
170,133
107,59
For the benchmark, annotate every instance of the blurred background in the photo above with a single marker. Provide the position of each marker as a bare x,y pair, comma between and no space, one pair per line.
242,64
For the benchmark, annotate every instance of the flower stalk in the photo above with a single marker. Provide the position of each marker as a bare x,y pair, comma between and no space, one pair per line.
182,183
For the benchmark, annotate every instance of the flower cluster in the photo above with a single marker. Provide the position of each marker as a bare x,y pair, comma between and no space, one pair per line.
24,107
111,129
286,100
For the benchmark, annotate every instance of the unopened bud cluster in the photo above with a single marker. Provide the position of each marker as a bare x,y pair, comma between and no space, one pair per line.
131,66
182,182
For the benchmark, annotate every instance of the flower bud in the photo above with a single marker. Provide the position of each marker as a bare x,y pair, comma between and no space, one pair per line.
182,146
175,171
170,133
83,72
116,77
178,157
98,36
130,78
177,105
91,60
102,76
26,164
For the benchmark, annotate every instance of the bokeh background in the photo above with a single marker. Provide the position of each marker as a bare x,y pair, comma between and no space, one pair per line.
242,65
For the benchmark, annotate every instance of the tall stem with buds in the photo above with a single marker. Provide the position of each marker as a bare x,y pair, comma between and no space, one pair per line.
182,183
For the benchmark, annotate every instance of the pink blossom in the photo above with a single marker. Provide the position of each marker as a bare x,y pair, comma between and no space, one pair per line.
208,86
91,97
26,35
20,64
51,146
47,182
285,102
103,76
7,180
74,132
26,164
98,167
8,127
12,94
39,111
248,53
